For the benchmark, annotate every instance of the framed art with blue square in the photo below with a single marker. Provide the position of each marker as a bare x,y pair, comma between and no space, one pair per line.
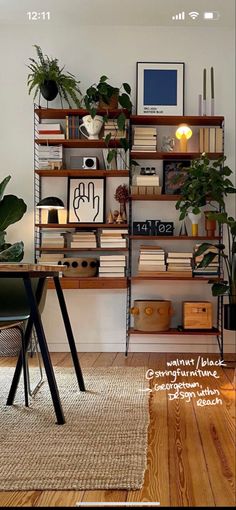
160,88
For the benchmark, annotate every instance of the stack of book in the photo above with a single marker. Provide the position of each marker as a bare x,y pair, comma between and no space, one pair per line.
86,239
210,139
144,139
112,265
113,238
50,132
50,258
151,261
48,157
72,126
111,128
213,269
52,240
179,263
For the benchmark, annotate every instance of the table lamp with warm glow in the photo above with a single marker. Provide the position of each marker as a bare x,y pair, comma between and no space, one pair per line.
52,204
183,133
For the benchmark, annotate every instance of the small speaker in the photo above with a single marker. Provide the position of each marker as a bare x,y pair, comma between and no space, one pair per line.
90,163
81,267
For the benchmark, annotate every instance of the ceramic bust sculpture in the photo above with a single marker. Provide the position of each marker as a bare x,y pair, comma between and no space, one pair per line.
167,144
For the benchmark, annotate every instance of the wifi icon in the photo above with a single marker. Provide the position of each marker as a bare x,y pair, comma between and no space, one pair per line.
193,14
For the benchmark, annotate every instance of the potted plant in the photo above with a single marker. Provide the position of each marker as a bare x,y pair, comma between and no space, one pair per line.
205,183
48,79
12,209
104,96
208,183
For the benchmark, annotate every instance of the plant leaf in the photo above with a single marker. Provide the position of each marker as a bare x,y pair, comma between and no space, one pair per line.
11,210
3,185
14,253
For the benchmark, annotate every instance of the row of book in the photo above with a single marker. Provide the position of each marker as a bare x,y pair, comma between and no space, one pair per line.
211,139
50,131
151,260
48,157
111,128
179,263
109,238
72,126
112,266
144,139
212,269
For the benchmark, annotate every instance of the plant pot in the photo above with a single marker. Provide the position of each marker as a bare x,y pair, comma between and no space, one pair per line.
210,225
111,105
230,317
49,90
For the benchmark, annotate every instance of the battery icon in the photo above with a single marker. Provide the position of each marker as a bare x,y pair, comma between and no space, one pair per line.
211,15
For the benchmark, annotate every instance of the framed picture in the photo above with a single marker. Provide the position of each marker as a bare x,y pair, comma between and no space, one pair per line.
160,88
86,200
170,170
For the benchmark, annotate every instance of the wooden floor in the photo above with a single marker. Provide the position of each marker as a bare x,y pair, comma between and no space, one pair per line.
191,453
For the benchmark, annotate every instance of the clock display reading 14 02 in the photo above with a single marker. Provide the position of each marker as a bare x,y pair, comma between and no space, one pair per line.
36,16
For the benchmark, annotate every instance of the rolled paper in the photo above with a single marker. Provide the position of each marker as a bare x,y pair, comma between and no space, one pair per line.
204,84
212,83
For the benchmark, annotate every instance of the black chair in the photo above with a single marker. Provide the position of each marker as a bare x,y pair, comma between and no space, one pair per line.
14,313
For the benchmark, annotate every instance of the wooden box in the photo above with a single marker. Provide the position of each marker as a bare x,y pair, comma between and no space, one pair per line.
197,315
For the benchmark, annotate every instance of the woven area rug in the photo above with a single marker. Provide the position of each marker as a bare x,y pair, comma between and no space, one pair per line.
103,444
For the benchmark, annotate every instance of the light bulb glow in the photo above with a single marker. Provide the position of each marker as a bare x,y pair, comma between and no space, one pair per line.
183,131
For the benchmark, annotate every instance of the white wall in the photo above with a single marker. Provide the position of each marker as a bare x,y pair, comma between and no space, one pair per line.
98,317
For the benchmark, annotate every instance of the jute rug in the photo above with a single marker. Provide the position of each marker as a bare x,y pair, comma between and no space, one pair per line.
103,444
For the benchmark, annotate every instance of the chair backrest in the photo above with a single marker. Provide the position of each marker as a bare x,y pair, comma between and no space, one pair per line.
13,299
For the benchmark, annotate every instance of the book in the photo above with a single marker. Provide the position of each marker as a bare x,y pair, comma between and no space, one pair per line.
201,140
112,275
153,256
112,263
177,254
112,258
212,139
51,137
219,140
206,139
143,148
151,268
115,269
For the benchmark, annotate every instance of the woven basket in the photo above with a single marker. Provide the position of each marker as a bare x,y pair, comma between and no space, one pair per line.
112,105
10,342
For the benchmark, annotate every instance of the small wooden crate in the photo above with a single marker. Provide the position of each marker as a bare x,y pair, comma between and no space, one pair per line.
197,315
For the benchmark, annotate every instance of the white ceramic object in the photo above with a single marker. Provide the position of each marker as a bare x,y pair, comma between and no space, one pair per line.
93,126
194,218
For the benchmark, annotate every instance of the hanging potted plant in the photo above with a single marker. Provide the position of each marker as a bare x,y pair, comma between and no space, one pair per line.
48,79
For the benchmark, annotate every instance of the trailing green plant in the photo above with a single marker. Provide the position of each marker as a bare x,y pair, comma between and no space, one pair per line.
48,69
12,209
204,182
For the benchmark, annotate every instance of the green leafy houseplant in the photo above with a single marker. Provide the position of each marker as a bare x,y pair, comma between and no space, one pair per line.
204,182
209,183
48,79
104,96
12,209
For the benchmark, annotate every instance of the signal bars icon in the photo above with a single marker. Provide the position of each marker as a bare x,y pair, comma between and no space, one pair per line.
179,16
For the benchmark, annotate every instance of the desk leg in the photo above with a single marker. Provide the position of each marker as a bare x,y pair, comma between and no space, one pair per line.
69,333
28,331
44,352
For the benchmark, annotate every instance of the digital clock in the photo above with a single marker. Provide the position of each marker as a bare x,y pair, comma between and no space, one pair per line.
37,16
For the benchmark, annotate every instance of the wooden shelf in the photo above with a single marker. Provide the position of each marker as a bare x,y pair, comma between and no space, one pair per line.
90,283
62,226
174,238
175,331
80,144
172,155
173,120
61,113
167,198
194,279
66,250
82,173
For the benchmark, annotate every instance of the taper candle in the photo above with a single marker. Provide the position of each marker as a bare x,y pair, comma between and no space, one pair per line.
212,83
204,84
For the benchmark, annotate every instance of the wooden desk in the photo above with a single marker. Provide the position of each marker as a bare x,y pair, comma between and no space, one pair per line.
27,272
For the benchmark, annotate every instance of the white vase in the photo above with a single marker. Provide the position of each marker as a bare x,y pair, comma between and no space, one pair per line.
92,125
194,218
